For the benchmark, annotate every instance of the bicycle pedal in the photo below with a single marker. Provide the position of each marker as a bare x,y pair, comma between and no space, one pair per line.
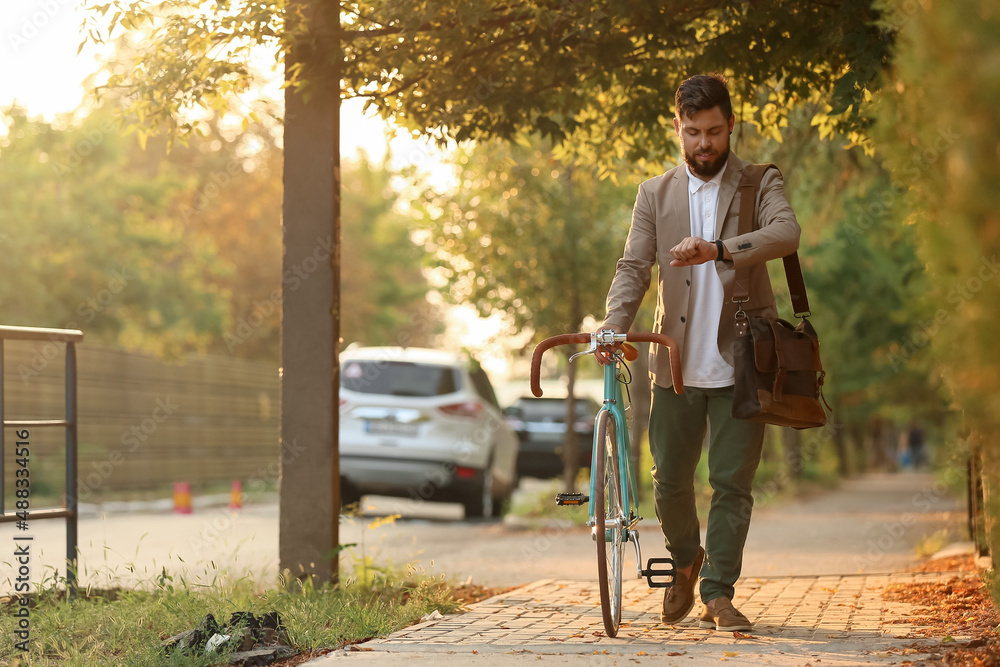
571,499
652,571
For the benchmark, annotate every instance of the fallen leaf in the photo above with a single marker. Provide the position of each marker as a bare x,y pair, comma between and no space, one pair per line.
641,653
677,653
740,635
730,654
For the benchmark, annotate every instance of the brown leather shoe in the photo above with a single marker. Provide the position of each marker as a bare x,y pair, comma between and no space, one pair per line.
678,600
724,617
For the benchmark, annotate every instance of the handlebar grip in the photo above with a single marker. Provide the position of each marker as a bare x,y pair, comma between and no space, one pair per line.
536,356
672,349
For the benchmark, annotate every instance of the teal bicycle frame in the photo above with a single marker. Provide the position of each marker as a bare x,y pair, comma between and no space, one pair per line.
614,403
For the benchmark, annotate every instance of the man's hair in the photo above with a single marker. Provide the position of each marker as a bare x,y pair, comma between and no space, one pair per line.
701,92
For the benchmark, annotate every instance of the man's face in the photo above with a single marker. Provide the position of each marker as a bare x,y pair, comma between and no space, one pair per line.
705,141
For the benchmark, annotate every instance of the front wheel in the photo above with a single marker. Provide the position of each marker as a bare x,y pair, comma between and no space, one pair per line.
609,518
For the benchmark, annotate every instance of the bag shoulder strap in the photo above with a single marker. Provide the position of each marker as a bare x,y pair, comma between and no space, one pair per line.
749,184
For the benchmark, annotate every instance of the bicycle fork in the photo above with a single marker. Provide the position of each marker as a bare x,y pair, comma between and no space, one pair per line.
664,575
651,570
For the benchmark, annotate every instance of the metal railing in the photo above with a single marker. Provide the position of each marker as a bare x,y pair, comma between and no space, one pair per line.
70,337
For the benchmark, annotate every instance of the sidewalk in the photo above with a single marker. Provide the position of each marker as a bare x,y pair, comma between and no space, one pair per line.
835,558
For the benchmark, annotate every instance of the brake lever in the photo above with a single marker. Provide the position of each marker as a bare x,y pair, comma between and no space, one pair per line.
592,350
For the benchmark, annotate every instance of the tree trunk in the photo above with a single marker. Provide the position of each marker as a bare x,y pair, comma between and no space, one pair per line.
309,513
571,454
839,446
642,396
857,434
877,444
792,441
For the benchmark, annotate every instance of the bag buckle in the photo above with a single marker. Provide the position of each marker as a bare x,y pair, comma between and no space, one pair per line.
742,323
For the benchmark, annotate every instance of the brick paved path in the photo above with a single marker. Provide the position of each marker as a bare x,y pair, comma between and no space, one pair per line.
807,620
800,618
568,613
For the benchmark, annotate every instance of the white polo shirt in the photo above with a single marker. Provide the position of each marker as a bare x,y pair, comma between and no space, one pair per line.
702,364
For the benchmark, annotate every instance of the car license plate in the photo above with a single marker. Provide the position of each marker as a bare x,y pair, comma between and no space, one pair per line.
390,427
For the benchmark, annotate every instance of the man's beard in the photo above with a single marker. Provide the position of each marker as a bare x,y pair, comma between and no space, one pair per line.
706,169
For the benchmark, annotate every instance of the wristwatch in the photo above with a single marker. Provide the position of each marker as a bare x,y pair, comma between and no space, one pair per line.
722,252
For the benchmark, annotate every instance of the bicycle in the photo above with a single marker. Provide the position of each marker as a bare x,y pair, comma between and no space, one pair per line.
612,501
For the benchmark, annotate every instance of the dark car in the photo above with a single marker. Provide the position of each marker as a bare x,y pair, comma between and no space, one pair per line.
540,424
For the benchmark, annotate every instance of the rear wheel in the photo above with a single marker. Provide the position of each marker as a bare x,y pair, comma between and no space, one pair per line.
610,523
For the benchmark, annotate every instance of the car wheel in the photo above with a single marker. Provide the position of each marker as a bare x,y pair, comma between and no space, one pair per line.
481,502
349,495
500,506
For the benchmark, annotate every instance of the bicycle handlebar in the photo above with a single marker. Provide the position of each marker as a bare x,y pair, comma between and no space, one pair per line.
583,338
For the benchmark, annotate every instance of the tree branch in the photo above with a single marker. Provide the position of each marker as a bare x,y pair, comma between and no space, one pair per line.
357,12
351,35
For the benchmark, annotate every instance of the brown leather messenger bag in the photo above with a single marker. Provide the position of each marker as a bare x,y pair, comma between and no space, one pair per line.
779,375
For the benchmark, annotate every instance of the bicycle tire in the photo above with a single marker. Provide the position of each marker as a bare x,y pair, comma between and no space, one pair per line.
609,523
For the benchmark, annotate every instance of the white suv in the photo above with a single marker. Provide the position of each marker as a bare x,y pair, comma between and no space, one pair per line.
423,424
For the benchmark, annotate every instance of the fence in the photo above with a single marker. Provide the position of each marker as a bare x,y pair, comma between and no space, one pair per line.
146,422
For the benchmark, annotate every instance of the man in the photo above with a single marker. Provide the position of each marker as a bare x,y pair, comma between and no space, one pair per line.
686,222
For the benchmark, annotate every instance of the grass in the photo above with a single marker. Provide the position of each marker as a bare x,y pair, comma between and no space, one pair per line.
124,627
540,508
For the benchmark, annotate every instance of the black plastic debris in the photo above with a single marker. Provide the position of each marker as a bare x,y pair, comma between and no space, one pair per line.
247,639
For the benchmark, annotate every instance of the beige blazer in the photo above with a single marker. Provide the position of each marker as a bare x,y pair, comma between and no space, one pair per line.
661,220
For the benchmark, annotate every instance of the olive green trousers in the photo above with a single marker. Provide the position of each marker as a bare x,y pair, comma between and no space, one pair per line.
677,427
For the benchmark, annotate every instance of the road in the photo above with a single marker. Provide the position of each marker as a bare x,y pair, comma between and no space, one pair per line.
836,532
